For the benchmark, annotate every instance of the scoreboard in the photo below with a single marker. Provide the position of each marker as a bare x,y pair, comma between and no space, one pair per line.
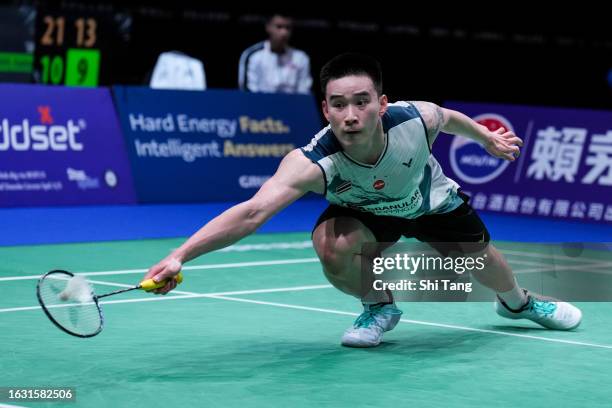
75,48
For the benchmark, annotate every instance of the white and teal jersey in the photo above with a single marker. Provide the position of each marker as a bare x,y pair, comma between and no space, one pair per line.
406,182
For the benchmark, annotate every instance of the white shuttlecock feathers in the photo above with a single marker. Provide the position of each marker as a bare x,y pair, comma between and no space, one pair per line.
77,290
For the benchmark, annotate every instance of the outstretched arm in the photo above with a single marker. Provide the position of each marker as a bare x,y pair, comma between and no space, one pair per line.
501,143
296,175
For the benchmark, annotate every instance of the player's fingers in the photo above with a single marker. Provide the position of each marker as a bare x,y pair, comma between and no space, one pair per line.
162,290
171,268
511,137
154,270
500,130
514,149
166,273
170,285
160,277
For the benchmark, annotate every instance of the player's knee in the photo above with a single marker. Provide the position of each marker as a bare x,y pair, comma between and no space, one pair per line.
336,255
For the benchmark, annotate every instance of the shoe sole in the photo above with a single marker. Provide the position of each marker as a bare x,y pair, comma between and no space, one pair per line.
360,345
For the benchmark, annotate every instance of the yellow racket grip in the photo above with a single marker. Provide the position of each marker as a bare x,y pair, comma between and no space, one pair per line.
149,284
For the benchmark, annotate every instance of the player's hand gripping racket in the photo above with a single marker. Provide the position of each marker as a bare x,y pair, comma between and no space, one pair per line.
70,303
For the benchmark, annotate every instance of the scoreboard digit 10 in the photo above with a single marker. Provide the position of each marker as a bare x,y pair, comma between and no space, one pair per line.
68,48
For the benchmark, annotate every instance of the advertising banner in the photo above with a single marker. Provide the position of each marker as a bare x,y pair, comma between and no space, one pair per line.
564,170
214,145
61,146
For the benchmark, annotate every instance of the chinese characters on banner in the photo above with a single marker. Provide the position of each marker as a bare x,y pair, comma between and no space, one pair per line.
564,170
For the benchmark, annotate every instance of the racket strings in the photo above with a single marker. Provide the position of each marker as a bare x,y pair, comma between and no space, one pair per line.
69,302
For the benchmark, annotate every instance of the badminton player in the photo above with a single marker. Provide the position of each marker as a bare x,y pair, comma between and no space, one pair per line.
373,163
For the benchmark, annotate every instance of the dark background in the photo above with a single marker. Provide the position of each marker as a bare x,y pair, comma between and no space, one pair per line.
501,52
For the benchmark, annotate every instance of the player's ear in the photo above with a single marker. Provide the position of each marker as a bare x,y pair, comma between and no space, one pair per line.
325,109
384,104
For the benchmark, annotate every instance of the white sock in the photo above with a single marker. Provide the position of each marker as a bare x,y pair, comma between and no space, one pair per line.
389,299
515,298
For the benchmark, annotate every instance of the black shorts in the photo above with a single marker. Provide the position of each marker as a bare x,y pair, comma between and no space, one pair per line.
460,225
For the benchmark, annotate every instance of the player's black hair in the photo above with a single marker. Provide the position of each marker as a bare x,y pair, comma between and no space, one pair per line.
352,64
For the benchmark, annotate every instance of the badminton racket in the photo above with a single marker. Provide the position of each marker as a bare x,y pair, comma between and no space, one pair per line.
70,302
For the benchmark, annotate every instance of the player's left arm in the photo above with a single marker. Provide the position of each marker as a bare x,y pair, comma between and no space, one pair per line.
501,143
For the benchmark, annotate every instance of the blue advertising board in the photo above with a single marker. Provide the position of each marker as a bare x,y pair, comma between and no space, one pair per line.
214,145
564,170
61,146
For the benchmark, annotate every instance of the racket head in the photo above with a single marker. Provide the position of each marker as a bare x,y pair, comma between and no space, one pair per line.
78,314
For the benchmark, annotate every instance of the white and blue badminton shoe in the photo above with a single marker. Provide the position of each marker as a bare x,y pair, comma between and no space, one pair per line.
548,312
368,329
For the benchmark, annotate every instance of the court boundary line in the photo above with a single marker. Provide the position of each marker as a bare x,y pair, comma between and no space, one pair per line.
419,322
224,296
600,264
280,245
185,268
184,295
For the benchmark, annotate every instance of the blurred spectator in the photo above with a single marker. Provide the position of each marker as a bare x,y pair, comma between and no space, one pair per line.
176,70
272,65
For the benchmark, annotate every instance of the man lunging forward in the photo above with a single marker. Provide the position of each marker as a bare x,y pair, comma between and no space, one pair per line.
372,157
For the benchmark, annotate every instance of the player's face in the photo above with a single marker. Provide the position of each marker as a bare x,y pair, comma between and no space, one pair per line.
353,108
279,31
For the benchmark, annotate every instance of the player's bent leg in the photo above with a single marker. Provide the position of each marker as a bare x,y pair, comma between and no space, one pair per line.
463,225
497,275
338,243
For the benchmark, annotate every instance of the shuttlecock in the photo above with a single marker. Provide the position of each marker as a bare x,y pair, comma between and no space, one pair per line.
77,290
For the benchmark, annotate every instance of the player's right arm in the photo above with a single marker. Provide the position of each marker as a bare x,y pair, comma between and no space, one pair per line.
295,176
502,143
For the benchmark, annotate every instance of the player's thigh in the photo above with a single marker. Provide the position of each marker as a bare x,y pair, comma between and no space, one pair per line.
340,238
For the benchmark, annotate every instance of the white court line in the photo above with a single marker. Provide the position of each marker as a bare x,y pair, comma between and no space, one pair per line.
264,247
447,326
227,296
308,244
544,255
239,292
215,295
555,268
279,245
267,247
184,296
185,268
281,262
11,406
